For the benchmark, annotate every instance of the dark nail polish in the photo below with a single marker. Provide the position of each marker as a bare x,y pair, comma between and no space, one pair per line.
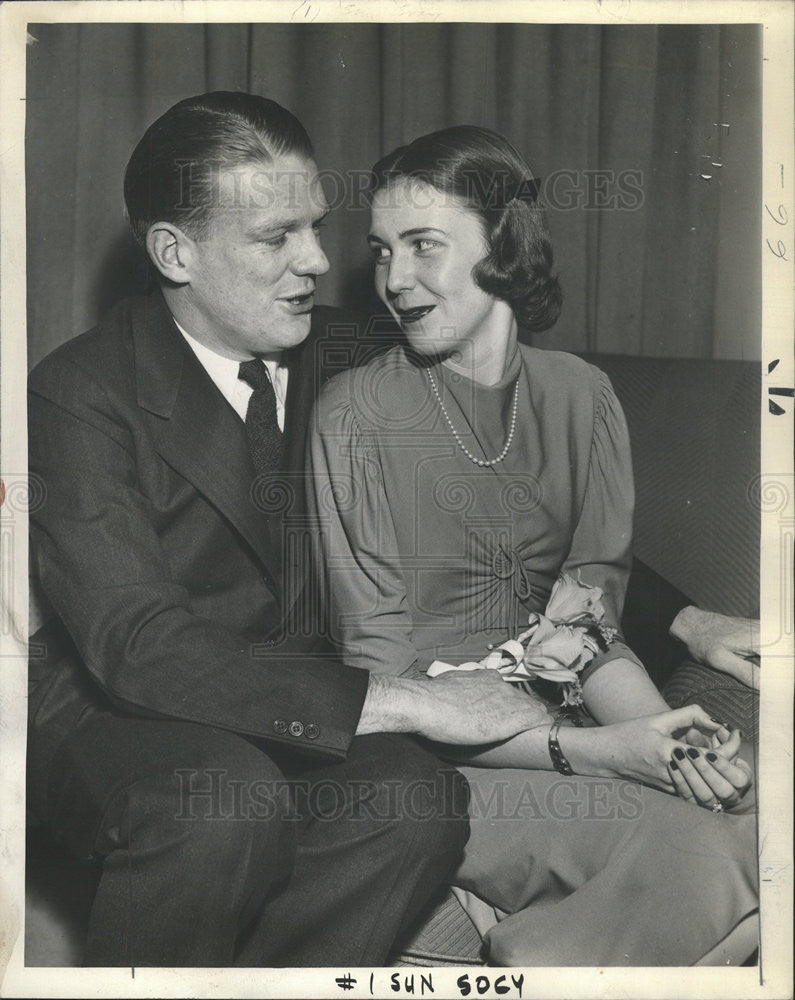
674,766
692,753
712,757
679,753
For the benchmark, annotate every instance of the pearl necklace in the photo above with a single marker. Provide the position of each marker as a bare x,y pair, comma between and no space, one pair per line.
477,461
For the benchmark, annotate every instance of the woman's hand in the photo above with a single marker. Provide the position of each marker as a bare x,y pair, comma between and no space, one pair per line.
715,778
724,741
659,750
642,749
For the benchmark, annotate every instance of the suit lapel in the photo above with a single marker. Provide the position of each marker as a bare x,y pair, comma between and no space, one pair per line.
199,434
302,386
203,439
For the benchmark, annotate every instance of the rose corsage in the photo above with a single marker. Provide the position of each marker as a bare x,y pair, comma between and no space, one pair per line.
556,646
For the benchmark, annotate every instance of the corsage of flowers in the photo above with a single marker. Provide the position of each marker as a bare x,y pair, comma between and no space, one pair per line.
556,646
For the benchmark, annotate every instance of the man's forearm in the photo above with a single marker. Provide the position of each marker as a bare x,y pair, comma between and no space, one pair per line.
471,708
391,706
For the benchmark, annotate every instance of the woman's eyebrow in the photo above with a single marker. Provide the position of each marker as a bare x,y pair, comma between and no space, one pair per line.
409,232
419,230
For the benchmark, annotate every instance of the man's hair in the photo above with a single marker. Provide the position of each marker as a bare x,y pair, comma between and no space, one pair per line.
173,171
484,171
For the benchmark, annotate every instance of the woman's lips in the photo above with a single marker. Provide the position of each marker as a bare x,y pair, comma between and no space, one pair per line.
409,316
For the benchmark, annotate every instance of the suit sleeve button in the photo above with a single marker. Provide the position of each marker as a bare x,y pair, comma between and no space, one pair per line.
312,731
279,726
296,729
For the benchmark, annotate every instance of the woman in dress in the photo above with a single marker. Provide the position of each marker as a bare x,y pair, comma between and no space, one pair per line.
455,478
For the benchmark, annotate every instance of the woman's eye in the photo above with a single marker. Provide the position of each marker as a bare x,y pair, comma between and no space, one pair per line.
317,227
425,244
380,254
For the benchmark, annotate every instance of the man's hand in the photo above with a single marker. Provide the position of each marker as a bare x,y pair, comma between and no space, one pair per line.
459,708
720,642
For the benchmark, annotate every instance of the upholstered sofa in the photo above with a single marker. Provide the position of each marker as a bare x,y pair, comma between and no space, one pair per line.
695,437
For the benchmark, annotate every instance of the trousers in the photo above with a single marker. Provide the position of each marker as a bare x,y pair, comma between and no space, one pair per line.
218,852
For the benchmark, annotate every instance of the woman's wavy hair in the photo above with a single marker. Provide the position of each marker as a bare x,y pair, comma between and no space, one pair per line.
482,169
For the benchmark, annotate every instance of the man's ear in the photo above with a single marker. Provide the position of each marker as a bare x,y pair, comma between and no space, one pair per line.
170,250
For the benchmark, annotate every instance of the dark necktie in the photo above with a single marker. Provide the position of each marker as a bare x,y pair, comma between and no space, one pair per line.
262,425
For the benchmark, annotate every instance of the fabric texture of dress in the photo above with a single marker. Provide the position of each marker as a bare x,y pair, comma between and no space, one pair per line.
430,556
426,555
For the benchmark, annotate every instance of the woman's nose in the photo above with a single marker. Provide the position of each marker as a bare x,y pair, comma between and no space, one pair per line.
400,274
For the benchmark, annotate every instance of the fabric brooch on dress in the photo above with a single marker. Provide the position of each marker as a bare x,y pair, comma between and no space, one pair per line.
557,645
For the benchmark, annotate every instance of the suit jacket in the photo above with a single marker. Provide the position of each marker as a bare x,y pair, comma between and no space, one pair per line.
161,553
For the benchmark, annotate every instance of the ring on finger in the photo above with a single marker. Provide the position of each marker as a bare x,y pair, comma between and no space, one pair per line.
717,806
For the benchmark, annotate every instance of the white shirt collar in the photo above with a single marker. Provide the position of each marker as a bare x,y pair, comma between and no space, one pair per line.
224,373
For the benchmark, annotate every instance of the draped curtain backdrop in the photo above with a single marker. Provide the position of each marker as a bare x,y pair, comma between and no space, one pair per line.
647,140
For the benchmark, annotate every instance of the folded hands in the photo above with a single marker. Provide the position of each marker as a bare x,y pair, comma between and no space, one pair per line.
682,751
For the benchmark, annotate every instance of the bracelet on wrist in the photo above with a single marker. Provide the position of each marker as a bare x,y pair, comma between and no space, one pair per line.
556,755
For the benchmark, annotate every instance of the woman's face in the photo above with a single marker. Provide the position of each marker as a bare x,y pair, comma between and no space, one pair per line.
425,244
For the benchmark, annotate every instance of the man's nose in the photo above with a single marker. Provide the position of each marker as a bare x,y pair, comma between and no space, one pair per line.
310,258
400,274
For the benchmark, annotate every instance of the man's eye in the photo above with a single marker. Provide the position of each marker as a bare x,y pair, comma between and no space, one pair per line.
276,241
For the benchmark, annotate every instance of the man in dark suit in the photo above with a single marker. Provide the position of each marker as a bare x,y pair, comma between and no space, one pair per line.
252,800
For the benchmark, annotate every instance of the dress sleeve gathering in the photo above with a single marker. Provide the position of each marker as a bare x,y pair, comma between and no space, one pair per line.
355,545
601,547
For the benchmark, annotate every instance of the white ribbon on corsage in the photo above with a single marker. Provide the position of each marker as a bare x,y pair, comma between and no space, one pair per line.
557,644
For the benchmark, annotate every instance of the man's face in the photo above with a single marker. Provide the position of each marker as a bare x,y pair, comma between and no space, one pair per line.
251,283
